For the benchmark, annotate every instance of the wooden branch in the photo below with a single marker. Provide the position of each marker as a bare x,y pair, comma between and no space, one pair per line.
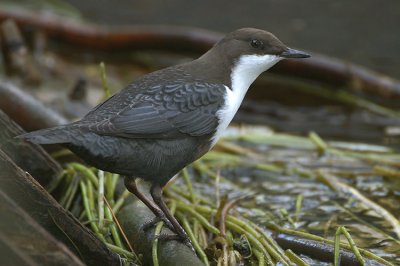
342,74
24,109
170,252
107,38
320,68
30,157
26,242
318,250
34,200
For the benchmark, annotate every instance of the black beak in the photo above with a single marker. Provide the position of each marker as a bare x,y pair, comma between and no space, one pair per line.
292,53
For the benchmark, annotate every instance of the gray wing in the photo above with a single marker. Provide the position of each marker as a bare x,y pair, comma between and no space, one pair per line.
166,112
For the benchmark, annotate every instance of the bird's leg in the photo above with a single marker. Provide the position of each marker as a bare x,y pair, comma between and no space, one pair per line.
130,184
156,193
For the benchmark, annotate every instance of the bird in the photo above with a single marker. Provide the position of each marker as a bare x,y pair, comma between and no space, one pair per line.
165,120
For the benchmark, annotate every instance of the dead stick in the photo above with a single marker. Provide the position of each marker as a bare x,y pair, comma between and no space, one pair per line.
320,68
24,109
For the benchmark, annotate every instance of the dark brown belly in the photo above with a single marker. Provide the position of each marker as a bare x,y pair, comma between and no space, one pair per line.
155,160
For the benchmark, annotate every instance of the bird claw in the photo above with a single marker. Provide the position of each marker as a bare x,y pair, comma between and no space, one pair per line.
146,226
166,237
185,240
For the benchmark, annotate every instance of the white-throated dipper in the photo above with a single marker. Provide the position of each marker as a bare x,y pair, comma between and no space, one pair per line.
167,119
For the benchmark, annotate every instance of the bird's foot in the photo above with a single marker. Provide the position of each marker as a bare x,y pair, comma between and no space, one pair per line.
185,240
155,221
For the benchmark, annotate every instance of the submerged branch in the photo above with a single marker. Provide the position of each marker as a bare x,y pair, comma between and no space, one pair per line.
318,67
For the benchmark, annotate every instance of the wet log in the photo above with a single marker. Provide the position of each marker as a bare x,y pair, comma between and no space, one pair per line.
24,242
189,39
163,37
30,157
170,252
342,74
24,109
319,250
45,210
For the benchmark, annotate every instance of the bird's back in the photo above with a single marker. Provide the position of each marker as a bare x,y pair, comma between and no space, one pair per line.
154,127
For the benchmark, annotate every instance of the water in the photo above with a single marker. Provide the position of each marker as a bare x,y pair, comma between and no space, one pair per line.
323,208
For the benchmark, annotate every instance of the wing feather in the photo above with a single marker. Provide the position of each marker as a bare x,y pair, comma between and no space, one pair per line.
169,112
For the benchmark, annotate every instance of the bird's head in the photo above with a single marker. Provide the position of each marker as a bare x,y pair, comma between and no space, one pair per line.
255,49
246,53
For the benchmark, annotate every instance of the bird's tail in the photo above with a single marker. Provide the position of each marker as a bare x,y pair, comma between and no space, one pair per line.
54,135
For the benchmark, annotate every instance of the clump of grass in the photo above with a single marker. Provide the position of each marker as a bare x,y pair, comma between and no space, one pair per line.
90,195
84,190
215,227
342,231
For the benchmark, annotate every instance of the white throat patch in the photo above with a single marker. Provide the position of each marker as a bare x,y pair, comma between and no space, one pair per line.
246,70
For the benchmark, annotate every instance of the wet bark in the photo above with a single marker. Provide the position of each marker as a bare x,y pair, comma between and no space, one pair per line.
35,201
170,252
24,242
319,250
188,39
25,110
30,157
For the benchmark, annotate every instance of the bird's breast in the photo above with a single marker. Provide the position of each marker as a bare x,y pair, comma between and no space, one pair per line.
232,102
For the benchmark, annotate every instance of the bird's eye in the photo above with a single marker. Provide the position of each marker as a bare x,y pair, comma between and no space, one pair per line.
256,44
